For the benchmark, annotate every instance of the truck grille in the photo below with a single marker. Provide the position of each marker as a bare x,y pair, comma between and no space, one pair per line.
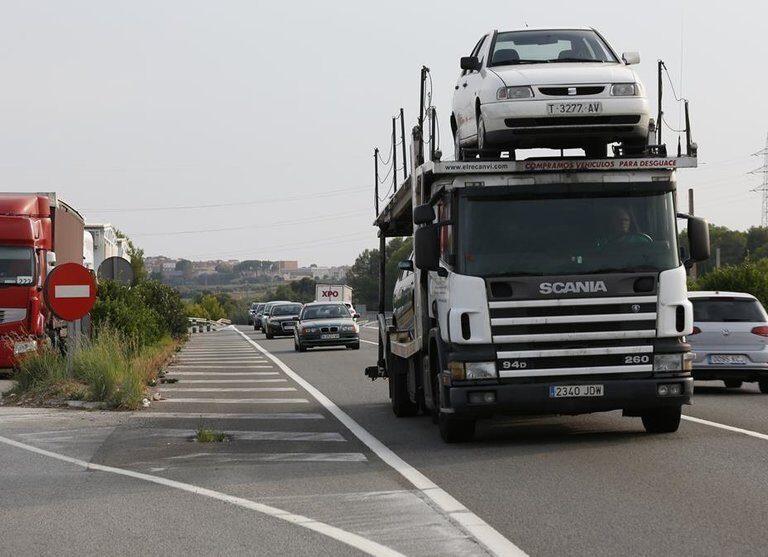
11,315
574,336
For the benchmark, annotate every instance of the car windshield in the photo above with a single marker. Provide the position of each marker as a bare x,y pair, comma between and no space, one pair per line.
330,311
562,236
17,265
550,46
288,309
723,309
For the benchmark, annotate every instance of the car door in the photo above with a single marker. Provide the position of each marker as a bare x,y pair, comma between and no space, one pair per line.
475,81
462,99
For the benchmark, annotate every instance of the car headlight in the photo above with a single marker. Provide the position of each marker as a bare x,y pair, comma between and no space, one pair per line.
349,328
308,330
514,93
625,90
472,370
668,362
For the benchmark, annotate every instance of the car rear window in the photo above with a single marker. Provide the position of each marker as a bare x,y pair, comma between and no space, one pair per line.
728,309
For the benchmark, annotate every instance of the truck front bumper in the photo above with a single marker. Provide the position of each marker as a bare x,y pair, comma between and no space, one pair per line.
630,395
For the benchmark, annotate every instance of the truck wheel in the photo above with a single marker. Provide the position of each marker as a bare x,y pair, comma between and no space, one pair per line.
453,430
732,384
662,420
402,405
764,386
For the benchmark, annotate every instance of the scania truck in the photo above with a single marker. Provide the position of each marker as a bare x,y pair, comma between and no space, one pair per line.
539,287
37,231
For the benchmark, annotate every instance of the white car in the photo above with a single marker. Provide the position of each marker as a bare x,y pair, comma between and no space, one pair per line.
549,88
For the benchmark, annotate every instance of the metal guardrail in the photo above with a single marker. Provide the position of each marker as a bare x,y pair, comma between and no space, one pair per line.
202,325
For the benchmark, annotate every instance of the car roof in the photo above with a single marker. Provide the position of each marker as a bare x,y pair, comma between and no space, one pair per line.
564,28
325,304
719,294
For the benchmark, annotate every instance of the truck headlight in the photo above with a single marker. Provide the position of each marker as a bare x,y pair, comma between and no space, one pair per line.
461,371
26,346
668,362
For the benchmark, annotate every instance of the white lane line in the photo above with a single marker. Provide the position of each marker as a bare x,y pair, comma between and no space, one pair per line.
762,436
237,401
483,532
219,361
272,457
222,373
229,381
228,390
225,416
242,435
369,342
358,542
217,367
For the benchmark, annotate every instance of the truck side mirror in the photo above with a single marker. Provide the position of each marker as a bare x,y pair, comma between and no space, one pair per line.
470,63
423,214
406,265
426,240
50,260
698,238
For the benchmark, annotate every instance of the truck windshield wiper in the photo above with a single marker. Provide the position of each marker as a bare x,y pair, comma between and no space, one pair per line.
637,269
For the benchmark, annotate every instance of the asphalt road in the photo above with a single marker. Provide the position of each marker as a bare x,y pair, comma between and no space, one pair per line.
294,476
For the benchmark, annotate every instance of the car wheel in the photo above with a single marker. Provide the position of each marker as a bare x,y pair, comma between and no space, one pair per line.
457,148
255,328
763,386
634,147
595,150
269,335
732,384
481,141
662,420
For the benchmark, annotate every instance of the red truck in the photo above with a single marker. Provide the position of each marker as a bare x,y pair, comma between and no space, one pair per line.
37,231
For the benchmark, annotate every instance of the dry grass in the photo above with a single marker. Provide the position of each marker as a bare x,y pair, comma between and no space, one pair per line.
106,368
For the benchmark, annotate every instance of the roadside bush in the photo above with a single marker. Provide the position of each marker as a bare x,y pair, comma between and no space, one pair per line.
750,277
142,314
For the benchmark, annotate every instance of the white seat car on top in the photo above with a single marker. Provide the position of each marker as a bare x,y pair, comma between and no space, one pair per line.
549,88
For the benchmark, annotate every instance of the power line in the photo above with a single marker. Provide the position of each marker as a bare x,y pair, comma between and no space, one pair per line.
325,218
330,193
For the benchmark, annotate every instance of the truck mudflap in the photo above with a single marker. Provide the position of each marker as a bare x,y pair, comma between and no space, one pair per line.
562,397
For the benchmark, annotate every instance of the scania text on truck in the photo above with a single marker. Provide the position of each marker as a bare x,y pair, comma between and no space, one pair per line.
37,231
537,287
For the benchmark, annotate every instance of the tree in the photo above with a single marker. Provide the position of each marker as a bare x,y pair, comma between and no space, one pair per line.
185,266
137,262
363,275
732,244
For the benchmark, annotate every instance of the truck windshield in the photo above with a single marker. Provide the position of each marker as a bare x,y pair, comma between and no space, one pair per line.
567,236
17,265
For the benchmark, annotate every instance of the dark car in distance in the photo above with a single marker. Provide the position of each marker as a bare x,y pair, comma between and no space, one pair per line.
281,319
326,324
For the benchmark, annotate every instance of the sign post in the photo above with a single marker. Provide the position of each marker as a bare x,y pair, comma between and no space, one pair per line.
70,292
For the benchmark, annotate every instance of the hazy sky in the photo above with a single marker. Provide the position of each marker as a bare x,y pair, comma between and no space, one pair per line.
271,110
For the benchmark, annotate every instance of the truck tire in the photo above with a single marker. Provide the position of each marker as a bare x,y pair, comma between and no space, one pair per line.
453,430
662,420
732,384
763,386
402,405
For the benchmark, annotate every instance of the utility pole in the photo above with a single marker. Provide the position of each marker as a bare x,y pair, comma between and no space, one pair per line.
763,188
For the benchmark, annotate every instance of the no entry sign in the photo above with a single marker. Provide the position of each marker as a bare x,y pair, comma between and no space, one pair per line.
70,291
